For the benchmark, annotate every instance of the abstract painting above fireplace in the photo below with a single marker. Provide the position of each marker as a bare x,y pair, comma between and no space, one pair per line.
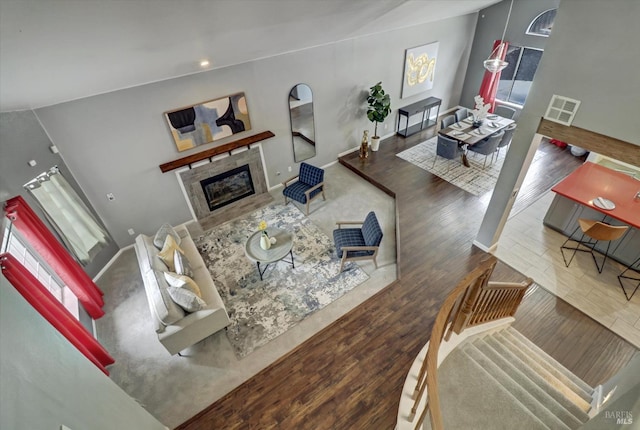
226,188
208,121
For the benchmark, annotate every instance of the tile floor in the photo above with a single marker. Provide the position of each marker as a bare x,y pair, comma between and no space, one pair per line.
533,249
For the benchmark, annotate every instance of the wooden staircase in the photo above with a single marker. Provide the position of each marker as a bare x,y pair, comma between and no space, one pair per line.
478,372
485,383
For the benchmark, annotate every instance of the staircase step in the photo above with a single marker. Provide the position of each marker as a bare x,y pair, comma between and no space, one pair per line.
555,377
523,396
547,359
472,399
545,380
524,376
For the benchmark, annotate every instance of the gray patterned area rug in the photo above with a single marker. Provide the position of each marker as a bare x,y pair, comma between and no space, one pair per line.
262,310
472,179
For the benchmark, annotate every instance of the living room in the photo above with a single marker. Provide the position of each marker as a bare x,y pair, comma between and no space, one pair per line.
114,142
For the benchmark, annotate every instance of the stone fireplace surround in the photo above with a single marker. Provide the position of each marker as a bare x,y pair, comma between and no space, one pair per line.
196,198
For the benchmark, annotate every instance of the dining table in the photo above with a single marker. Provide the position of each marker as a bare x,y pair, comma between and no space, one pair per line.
468,135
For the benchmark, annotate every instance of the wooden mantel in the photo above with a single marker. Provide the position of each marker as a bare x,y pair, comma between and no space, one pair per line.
591,141
210,153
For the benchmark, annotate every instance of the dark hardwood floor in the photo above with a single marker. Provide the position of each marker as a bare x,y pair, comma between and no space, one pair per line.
350,375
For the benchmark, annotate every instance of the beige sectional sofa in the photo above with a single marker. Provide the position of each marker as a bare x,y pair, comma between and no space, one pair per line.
176,328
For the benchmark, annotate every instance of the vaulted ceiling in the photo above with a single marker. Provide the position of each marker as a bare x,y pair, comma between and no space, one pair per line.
53,51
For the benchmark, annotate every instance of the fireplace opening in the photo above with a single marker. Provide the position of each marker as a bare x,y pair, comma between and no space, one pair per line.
228,187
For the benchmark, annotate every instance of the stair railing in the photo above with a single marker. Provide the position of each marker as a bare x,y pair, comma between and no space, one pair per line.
473,301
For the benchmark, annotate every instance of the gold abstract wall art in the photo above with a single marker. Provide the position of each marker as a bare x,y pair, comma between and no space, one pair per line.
419,69
208,121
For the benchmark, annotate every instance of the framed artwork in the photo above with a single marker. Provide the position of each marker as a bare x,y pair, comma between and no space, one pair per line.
208,121
419,69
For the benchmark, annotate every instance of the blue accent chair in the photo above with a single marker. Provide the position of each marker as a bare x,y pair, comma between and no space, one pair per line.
309,185
358,243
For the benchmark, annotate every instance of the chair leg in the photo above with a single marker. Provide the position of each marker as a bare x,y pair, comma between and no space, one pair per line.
344,257
606,254
570,238
308,201
485,162
623,275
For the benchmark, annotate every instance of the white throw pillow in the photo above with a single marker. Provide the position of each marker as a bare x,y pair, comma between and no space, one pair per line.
182,281
182,265
186,299
162,233
166,254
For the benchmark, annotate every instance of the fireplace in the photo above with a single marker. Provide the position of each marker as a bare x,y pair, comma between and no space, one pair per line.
228,187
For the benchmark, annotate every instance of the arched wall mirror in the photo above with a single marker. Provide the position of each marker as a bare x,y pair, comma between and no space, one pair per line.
302,126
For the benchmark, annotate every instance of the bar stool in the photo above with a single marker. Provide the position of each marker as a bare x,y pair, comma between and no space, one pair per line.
635,266
596,231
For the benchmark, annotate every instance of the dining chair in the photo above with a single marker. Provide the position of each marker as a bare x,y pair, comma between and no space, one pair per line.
447,121
446,148
505,111
488,146
461,114
595,231
506,138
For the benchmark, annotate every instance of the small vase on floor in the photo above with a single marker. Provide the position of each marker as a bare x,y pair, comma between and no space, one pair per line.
265,243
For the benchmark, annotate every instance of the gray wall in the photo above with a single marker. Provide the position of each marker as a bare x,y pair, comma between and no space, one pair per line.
115,142
46,382
22,139
592,56
490,26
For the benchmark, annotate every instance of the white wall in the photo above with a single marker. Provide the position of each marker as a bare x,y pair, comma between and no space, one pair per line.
114,142
46,382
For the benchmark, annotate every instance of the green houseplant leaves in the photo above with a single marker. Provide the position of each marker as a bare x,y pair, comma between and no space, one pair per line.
379,106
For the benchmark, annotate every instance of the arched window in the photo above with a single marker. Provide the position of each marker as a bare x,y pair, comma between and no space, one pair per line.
543,23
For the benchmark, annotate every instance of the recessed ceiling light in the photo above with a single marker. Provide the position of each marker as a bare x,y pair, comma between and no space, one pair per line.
204,63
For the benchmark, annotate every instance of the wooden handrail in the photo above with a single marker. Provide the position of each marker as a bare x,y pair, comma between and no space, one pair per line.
473,301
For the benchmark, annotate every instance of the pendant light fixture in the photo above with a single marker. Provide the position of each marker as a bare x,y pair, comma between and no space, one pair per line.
495,63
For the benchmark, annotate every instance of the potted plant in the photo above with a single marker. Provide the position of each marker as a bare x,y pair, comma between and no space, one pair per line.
379,108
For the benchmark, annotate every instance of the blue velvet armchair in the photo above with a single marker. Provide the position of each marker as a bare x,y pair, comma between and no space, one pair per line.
309,185
358,243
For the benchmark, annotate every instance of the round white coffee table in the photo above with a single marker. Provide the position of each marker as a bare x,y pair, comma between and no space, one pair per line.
277,252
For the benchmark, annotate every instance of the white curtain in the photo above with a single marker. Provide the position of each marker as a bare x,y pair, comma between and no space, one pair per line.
68,213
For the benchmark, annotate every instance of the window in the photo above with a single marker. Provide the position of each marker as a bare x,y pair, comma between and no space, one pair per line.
83,236
562,109
16,246
516,78
543,23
